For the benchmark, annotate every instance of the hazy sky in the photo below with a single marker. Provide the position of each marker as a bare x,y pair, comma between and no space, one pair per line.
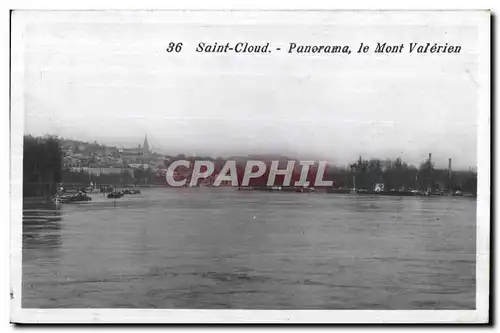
105,77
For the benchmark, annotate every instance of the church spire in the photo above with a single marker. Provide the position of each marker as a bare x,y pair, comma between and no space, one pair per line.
145,147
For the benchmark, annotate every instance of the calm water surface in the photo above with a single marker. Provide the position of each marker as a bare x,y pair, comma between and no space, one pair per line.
223,248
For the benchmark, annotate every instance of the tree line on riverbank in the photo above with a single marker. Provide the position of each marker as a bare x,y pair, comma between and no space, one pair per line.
362,174
43,170
42,166
398,175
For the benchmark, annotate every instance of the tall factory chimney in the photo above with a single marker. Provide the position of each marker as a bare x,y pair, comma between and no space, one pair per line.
449,168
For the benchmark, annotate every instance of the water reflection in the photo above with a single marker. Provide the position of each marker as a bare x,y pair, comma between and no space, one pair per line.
41,226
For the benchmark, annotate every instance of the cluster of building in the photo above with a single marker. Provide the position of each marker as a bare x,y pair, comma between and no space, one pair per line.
97,159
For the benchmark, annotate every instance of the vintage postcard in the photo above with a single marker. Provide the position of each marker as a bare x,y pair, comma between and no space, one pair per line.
250,166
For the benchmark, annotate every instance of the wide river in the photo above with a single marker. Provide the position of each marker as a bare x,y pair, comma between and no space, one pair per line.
222,248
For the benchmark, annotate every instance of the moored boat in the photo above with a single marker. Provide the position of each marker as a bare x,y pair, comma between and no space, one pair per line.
78,197
131,191
115,195
392,193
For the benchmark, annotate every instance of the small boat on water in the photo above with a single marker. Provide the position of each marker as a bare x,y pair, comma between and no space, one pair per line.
78,197
115,195
392,193
131,191
260,188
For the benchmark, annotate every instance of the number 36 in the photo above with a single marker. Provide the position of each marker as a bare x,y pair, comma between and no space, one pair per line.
174,47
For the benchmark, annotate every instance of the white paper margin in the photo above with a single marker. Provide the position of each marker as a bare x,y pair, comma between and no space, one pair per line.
479,18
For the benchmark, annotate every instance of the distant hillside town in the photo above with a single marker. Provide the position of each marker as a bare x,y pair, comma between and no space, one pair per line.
100,159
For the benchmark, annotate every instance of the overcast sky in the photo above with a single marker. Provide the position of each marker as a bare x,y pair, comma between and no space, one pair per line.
106,77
